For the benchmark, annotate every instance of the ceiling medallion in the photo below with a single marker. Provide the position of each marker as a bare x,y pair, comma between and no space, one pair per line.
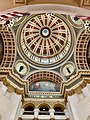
21,67
67,69
45,40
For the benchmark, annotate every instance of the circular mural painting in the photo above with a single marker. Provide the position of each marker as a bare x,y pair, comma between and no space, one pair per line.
21,67
45,40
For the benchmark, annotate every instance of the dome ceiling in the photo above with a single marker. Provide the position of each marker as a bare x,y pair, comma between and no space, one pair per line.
45,39
46,55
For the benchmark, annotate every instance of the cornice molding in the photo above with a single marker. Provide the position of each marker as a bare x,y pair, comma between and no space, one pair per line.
77,89
85,3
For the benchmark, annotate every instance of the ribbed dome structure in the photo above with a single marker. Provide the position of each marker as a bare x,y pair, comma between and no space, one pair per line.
45,38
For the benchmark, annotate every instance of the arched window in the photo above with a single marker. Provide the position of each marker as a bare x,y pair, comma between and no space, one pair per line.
29,109
44,109
59,110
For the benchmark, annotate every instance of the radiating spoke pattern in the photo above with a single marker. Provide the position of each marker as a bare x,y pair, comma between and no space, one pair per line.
45,39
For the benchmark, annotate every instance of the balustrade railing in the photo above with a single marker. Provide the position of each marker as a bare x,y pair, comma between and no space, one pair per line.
43,113
59,113
28,113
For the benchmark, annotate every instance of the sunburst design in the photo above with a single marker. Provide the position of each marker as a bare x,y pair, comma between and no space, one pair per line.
45,35
45,39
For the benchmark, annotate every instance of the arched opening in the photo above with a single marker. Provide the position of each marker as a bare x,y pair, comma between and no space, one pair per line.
88,54
1,49
29,109
44,109
59,110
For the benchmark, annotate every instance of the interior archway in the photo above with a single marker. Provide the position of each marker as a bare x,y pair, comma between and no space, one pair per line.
44,109
88,54
1,49
29,109
59,109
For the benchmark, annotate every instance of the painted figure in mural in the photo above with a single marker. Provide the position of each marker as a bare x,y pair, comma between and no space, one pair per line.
45,86
36,87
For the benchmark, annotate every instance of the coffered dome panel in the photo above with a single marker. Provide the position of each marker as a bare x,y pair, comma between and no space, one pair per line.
82,49
9,47
45,39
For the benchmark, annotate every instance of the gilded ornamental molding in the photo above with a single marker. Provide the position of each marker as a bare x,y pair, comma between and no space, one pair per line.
85,2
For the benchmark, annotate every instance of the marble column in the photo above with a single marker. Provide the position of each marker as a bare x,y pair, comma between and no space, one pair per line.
51,111
36,112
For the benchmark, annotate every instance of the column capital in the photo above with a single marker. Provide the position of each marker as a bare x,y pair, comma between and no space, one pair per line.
51,110
36,110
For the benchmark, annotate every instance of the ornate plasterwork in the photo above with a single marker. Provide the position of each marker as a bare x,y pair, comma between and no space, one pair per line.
45,41
9,48
50,103
18,2
25,2
19,83
81,49
85,79
85,2
69,88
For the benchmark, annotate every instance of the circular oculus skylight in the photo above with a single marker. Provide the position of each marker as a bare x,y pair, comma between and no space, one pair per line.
45,39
